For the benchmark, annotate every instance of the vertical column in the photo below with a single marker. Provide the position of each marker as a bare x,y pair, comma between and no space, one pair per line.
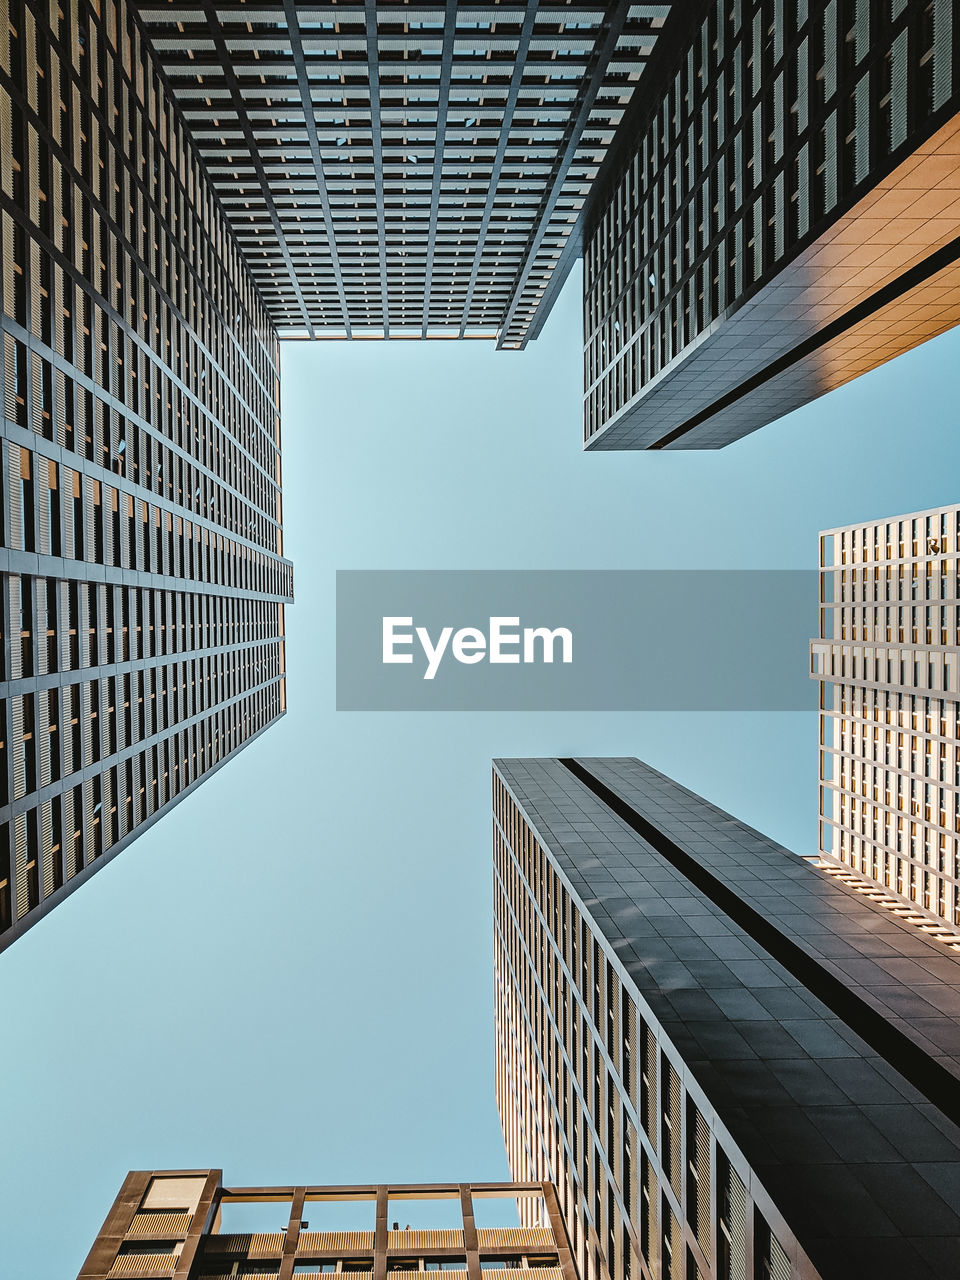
207,1208
116,1225
292,1237
559,1229
749,1238
380,1236
469,1233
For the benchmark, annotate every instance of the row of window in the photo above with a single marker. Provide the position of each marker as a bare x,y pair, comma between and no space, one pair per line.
931,579
876,707
925,889
74,278
916,837
939,626
927,670
896,760
102,112
931,564
354,1265
581,1075
44,847
339,105
915,810
55,732
914,766
122,333
40,396
211,1267
923,536
56,625
764,130
884,595
875,616
306,1267
57,511
856,725
589,1136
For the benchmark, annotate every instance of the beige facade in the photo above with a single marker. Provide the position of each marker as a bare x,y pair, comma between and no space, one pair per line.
888,663
177,1225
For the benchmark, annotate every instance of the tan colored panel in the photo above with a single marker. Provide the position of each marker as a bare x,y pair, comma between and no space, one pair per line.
143,1266
173,1193
416,1241
261,1244
154,1224
516,1238
539,1273
336,1241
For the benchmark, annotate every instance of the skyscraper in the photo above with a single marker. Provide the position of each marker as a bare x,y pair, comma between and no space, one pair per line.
729,1064
888,662
180,188
781,213
405,172
177,1224
143,574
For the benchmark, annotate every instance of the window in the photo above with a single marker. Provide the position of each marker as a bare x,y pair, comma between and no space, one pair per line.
151,1249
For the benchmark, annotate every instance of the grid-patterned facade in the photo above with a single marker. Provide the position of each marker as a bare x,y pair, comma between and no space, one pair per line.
888,661
783,215
171,1224
398,170
702,1111
143,579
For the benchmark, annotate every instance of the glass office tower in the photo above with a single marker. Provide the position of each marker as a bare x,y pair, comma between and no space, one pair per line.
781,215
177,1224
143,578
405,171
180,188
888,662
731,1066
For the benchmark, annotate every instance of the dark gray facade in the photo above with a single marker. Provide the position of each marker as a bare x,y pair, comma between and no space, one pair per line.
143,576
781,215
730,1064
405,171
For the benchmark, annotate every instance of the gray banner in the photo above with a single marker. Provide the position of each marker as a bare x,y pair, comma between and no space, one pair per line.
641,640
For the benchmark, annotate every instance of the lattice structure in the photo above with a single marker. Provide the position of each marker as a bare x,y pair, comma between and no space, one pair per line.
782,215
687,1019
888,659
143,578
404,170
174,1224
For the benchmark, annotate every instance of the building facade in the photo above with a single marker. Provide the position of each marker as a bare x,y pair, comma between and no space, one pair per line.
888,662
398,171
175,1224
731,1065
143,578
781,214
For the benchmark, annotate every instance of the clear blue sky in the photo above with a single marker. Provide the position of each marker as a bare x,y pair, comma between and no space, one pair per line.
290,976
